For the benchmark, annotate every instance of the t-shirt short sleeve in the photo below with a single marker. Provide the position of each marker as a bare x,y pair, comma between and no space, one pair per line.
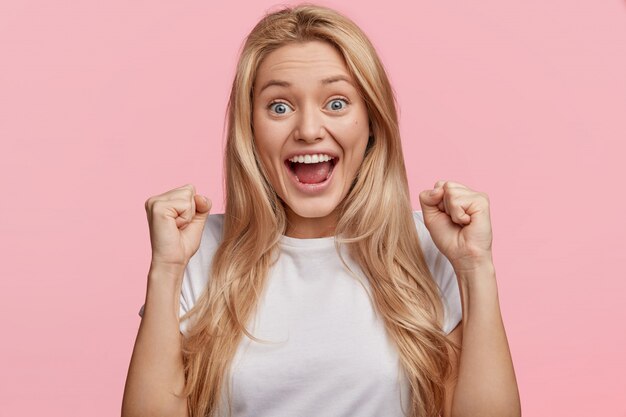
196,273
443,274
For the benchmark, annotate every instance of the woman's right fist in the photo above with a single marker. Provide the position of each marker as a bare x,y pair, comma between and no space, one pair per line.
176,219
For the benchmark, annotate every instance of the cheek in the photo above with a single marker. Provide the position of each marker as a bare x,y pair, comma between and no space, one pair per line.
262,136
269,139
353,137
267,150
353,128
265,154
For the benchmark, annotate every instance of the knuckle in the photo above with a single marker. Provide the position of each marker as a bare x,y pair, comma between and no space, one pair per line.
156,205
148,203
159,206
190,190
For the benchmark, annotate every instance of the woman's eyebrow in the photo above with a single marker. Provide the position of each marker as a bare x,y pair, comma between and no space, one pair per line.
325,81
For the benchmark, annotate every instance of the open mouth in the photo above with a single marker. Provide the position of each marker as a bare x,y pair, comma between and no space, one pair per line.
313,172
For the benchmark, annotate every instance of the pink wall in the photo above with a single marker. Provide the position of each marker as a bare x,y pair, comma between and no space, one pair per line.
104,104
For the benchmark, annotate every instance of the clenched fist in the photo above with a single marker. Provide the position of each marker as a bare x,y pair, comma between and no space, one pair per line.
176,219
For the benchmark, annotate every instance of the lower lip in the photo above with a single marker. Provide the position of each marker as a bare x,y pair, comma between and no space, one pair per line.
311,188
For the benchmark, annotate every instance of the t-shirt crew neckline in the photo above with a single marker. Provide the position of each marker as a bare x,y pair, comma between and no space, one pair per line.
318,242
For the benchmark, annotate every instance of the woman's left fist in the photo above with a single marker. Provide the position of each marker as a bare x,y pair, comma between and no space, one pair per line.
459,223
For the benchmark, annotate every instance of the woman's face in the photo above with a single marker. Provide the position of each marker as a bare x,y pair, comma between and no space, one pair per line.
306,103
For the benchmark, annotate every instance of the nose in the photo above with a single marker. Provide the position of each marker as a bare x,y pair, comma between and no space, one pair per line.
310,124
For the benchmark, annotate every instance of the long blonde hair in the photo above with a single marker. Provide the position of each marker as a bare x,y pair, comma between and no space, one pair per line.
375,222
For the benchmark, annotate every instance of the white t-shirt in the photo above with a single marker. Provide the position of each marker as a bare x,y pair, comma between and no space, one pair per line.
331,355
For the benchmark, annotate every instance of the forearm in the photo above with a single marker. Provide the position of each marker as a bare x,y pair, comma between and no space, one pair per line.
156,369
486,384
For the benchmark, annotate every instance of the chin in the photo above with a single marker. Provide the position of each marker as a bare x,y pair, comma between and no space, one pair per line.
310,208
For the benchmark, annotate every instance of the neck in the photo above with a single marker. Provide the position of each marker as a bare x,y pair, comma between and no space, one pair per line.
310,227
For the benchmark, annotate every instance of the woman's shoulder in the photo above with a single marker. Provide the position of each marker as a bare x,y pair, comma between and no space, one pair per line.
443,274
424,235
196,275
213,227
210,240
418,215
433,256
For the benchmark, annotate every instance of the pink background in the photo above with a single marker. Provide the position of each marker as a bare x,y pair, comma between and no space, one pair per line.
104,104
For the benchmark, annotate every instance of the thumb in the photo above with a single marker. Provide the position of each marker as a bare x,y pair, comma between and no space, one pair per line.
203,208
191,234
203,205
430,199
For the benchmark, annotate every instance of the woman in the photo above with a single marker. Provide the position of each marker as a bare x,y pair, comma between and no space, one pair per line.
319,291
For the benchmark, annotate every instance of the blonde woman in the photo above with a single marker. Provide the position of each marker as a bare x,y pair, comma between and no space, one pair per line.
319,291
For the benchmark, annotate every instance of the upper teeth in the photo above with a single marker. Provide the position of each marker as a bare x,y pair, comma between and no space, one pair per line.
311,159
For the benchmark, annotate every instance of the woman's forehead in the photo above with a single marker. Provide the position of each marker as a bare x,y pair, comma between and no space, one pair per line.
314,60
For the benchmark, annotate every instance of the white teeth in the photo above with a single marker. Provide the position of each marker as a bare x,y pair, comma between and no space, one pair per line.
311,159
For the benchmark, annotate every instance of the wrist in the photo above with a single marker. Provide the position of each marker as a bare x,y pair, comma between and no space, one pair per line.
168,278
472,264
473,268
479,277
164,287
168,271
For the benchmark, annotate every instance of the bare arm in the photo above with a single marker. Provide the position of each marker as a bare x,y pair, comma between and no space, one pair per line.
486,383
156,370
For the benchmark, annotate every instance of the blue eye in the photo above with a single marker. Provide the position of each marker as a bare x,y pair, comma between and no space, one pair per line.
336,100
280,107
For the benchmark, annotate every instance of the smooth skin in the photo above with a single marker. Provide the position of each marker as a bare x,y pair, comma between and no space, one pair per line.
299,112
458,221
176,220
